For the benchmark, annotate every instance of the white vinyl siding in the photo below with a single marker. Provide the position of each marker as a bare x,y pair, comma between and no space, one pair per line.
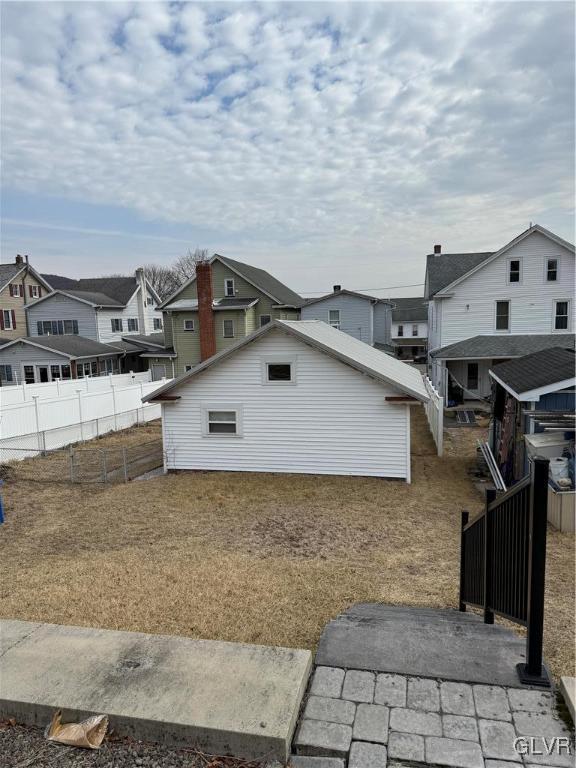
334,420
470,311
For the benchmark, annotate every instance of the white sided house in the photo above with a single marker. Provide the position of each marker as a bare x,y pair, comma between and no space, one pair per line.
488,307
295,397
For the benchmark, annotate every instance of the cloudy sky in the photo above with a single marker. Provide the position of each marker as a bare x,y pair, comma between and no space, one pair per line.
327,142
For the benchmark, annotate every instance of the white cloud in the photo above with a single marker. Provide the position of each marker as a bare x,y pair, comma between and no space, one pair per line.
324,128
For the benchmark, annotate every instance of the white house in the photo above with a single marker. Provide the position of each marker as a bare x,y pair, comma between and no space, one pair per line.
297,397
410,327
492,306
367,318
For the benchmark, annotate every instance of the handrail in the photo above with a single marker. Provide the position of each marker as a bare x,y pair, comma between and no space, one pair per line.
499,500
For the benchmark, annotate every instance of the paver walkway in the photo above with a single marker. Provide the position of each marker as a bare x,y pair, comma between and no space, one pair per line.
361,718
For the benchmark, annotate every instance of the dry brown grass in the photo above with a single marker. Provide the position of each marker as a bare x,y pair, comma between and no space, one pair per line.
251,557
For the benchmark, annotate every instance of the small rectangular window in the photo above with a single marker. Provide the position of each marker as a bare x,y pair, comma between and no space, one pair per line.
55,372
132,323
116,323
222,423
502,315
334,318
279,371
7,318
228,329
229,287
16,290
414,330
149,301
71,327
400,330
65,371
29,374
187,368
514,270
552,270
157,324
472,380
561,316
188,325
264,320
6,373
35,291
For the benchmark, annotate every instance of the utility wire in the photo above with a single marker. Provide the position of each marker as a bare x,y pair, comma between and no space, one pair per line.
386,288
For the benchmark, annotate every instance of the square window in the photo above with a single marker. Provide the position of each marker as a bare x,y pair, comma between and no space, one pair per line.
561,316
187,368
222,423
279,371
229,287
514,271
502,315
228,329
264,320
552,270
334,318
188,325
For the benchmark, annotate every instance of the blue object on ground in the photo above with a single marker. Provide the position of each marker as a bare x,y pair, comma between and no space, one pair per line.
1,503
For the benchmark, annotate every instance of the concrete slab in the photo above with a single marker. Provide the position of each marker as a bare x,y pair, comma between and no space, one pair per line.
568,691
225,698
422,642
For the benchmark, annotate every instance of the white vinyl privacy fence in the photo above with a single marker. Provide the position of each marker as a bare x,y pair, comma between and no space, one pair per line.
435,414
22,393
78,414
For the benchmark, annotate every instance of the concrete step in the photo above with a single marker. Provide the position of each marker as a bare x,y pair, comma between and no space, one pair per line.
224,698
422,642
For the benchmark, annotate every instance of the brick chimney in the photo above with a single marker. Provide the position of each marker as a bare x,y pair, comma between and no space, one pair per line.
437,250
19,259
205,311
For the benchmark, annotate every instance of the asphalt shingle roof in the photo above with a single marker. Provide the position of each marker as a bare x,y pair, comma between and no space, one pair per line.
539,369
93,297
342,292
507,345
72,346
443,268
265,281
7,272
117,290
412,308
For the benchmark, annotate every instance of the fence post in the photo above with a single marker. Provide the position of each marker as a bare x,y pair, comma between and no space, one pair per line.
114,406
79,394
125,464
488,556
35,398
464,523
533,672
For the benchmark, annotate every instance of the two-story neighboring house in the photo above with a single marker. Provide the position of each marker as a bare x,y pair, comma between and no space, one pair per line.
244,298
20,285
410,327
364,317
488,307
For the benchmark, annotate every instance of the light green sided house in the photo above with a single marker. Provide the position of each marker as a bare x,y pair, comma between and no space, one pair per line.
245,298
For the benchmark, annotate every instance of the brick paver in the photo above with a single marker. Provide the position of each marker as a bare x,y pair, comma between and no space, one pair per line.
491,702
365,755
460,727
390,690
452,752
406,746
414,721
318,737
371,723
457,699
497,739
331,710
327,681
423,694
359,686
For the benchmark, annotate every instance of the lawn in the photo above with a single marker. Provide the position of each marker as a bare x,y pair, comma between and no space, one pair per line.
255,558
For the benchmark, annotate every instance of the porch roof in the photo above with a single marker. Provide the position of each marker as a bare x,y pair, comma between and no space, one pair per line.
506,345
528,377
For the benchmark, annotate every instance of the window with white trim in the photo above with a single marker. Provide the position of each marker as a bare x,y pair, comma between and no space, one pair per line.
229,287
35,291
400,330
561,315
415,329
189,325
514,271
278,370
116,323
222,420
264,320
7,320
502,315
334,318
57,327
187,368
29,377
132,323
551,270
16,290
157,324
228,329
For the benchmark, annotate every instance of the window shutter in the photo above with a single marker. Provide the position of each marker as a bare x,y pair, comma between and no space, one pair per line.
39,291
23,291
30,291
13,320
11,289
1,319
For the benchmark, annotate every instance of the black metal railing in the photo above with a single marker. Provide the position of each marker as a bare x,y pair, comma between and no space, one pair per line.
503,562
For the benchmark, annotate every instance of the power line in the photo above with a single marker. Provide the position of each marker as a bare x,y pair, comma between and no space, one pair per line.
386,288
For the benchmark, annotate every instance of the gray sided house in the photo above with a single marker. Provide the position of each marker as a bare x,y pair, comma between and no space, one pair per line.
366,318
410,327
243,298
34,359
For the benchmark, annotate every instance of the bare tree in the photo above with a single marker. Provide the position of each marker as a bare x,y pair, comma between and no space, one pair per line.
185,267
162,279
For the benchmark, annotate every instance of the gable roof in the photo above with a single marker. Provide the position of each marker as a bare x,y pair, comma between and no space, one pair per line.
533,375
259,278
345,292
411,308
337,344
68,346
119,289
9,271
505,345
86,297
445,270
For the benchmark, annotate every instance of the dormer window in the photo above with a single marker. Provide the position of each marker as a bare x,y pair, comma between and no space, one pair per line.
514,271
552,270
229,290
